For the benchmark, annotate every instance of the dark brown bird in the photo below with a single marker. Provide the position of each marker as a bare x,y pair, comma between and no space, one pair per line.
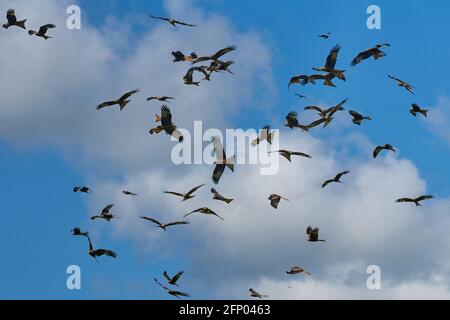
416,201
105,214
329,116
378,149
167,125
172,280
291,121
179,56
221,160
189,76
256,294
128,193
77,232
12,20
403,84
216,55
358,118
321,111
335,179
265,134
300,79
173,22
313,234
330,64
42,31
122,101
176,294
275,200
94,253
297,270
186,196
415,109
325,35
164,225
287,154
218,196
204,210
219,66
83,189
374,52
162,98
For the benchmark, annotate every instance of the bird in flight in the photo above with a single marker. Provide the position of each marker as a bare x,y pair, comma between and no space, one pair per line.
221,160
416,201
188,195
172,280
215,56
337,178
325,35
330,64
128,193
189,76
301,96
256,294
77,232
162,98
175,293
167,125
105,214
94,253
163,225
291,121
122,101
287,154
265,134
378,149
83,189
42,31
321,111
358,118
179,56
275,200
330,112
218,196
204,210
173,22
12,20
415,109
374,52
313,234
403,84
297,270
218,66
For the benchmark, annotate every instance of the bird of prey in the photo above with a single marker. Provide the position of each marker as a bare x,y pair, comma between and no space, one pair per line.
297,270
305,79
337,178
218,66
287,154
122,101
12,20
94,253
313,234
416,201
189,76
83,189
321,111
218,196
163,225
378,149
275,200
301,78
77,232
221,160
291,121
301,96
403,84
162,98
330,64
374,52
173,22
325,35
358,118
172,280
188,195
256,294
265,134
167,125
330,112
415,109
42,31
175,293
179,56
128,193
204,210
105,214
216,55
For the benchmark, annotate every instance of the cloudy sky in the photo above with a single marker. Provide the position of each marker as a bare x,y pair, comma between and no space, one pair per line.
52,138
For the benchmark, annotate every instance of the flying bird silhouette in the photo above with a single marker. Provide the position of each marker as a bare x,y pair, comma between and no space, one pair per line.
166,125
164,226
358,118
42,31
325,35
265,134
374,52
172,280
105,214
256,294
287,154
297,270
416,201
12,20
122,101
336,179
173,22
403,84
162,98
204,210
313,234
218,196
221,160
216,55
275,200
128,193
82,189
94,253
77,232
330,64
301,96
186,196
175,293
415,109
378,149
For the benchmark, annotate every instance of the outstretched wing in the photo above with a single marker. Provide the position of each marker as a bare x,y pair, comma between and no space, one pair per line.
424,198
340,174
405,200
376,151
161,285
107,208
177,276
43,29
128,94
166,275
301,154
174,193
176,223
221,52
332,57
151,219
166,116
195,189
184,23
158,17
217,173
106,104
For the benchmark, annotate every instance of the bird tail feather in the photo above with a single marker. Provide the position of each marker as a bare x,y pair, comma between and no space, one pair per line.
21,23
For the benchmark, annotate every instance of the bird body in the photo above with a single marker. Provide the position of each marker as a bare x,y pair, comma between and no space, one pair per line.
415,109
77,232
164,226
186,196
218,196
222,161
122,101
335,179
358,118
12,20
416,201
172,280
42,31
378,149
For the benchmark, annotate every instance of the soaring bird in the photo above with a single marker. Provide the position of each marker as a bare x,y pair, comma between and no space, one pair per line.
321,111
163,225
204,210
403,84
179,56
337,178
94,253
415,109
77,232
374,52
128,193
167,125
297,270
218,66
221,160
275,200
176,294
172,280
188,195
301,96
416,200
122,101
83,189
325,35
305,79
216,55
218,196
256,294
162,98
378,149
173,22
12,20
313,234
291,121
330,63
105,214
329,115
265,134
358,118
301,78
287,154
189,76
42,31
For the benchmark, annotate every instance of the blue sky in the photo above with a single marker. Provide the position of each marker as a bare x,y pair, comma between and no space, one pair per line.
39,208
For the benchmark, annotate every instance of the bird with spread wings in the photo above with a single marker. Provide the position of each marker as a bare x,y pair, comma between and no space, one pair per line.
172,21
167,125
221,160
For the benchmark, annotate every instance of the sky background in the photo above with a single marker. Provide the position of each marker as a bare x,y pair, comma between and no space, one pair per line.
52,138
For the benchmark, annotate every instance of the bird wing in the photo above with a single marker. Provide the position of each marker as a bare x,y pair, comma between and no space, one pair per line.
217,173
166,275
106,252
184,23
405,200
174,193
177,276
221,52
195,189
301,154
151,219
327,182
316,108
215,192
176,223
332,57
424,198
161,285
107,208
43,29
376,151
362,56
340,174
11,16
166,116
355,114
128,94
158,17
106,104
315,123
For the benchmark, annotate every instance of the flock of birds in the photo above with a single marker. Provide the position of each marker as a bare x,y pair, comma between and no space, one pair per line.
207,65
